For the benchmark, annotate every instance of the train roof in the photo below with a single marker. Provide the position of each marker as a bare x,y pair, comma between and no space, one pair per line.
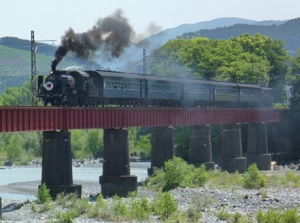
104,73
116,74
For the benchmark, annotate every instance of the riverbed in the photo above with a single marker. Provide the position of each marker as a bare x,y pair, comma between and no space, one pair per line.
21,183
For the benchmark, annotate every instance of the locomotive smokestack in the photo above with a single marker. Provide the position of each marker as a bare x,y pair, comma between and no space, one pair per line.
54,63
111,34
59,54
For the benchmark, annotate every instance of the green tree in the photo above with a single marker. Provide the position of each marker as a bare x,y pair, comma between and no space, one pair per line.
247,68
139,142
295,64
293,116
274,52
196,55
14,147
182,137
168,61
16,96
246,59
78,140
94,143
293,119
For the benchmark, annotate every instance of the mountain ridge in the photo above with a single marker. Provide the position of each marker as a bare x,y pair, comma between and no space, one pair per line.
288,31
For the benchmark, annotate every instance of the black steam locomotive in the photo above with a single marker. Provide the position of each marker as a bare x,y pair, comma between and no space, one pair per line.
102,88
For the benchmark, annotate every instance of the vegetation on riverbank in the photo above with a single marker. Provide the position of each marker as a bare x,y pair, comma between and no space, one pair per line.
163,206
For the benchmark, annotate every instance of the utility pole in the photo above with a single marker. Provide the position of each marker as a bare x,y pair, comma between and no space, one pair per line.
144,61
34,100
33,70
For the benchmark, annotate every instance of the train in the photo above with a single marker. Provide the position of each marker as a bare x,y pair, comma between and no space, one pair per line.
110,88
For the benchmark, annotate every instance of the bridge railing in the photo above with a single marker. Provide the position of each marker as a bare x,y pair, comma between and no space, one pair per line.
14,119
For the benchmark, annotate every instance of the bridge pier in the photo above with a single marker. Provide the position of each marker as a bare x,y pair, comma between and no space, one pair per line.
57,164
232,159
257,146
116,178
200,146
162,146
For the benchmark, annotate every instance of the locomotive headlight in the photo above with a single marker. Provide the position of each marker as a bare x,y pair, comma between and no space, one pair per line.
48,86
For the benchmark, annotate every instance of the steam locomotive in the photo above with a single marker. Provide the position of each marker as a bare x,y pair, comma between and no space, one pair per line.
104,88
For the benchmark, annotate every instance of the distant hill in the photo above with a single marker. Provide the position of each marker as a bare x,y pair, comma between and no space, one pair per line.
21,44
15,64
134,54
288,31
162,37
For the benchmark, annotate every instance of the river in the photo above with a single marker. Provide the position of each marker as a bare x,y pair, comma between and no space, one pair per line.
28,174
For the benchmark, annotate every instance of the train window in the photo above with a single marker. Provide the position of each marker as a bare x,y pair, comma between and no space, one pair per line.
249,92
225,92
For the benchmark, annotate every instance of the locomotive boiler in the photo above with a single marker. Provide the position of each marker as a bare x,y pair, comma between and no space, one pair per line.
105,88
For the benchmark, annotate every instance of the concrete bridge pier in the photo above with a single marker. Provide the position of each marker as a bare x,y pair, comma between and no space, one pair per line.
116,178
57,164
162,146
200,146
257,146
232,159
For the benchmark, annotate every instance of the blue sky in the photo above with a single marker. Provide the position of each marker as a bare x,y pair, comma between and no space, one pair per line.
50,19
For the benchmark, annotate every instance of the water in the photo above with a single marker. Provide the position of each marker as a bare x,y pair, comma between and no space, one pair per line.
27,174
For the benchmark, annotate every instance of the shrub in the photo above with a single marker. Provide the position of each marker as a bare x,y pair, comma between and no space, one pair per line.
271,216
164,205
292,178
66,217
178,173
34,208
198,204
100,201
81,206
119,207
253,179
140,209
156,180
223,179
239,218
43,194
223,214
291,216
275,216
100,210
199,176
66,200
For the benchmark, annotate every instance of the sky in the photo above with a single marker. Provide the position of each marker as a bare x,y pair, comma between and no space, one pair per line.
50,19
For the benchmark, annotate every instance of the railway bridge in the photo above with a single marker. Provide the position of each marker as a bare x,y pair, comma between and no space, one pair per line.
55,123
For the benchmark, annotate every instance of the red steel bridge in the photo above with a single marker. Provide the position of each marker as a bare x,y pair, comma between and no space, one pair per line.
14,119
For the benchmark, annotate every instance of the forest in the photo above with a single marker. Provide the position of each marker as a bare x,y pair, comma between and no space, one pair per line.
246,59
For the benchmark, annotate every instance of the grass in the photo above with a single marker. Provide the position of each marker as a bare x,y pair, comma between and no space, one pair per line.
278,216
164,207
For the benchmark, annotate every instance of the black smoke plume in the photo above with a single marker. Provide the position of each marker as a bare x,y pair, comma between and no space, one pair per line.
112,34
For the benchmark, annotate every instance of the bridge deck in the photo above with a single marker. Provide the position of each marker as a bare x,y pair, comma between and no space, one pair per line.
13,119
